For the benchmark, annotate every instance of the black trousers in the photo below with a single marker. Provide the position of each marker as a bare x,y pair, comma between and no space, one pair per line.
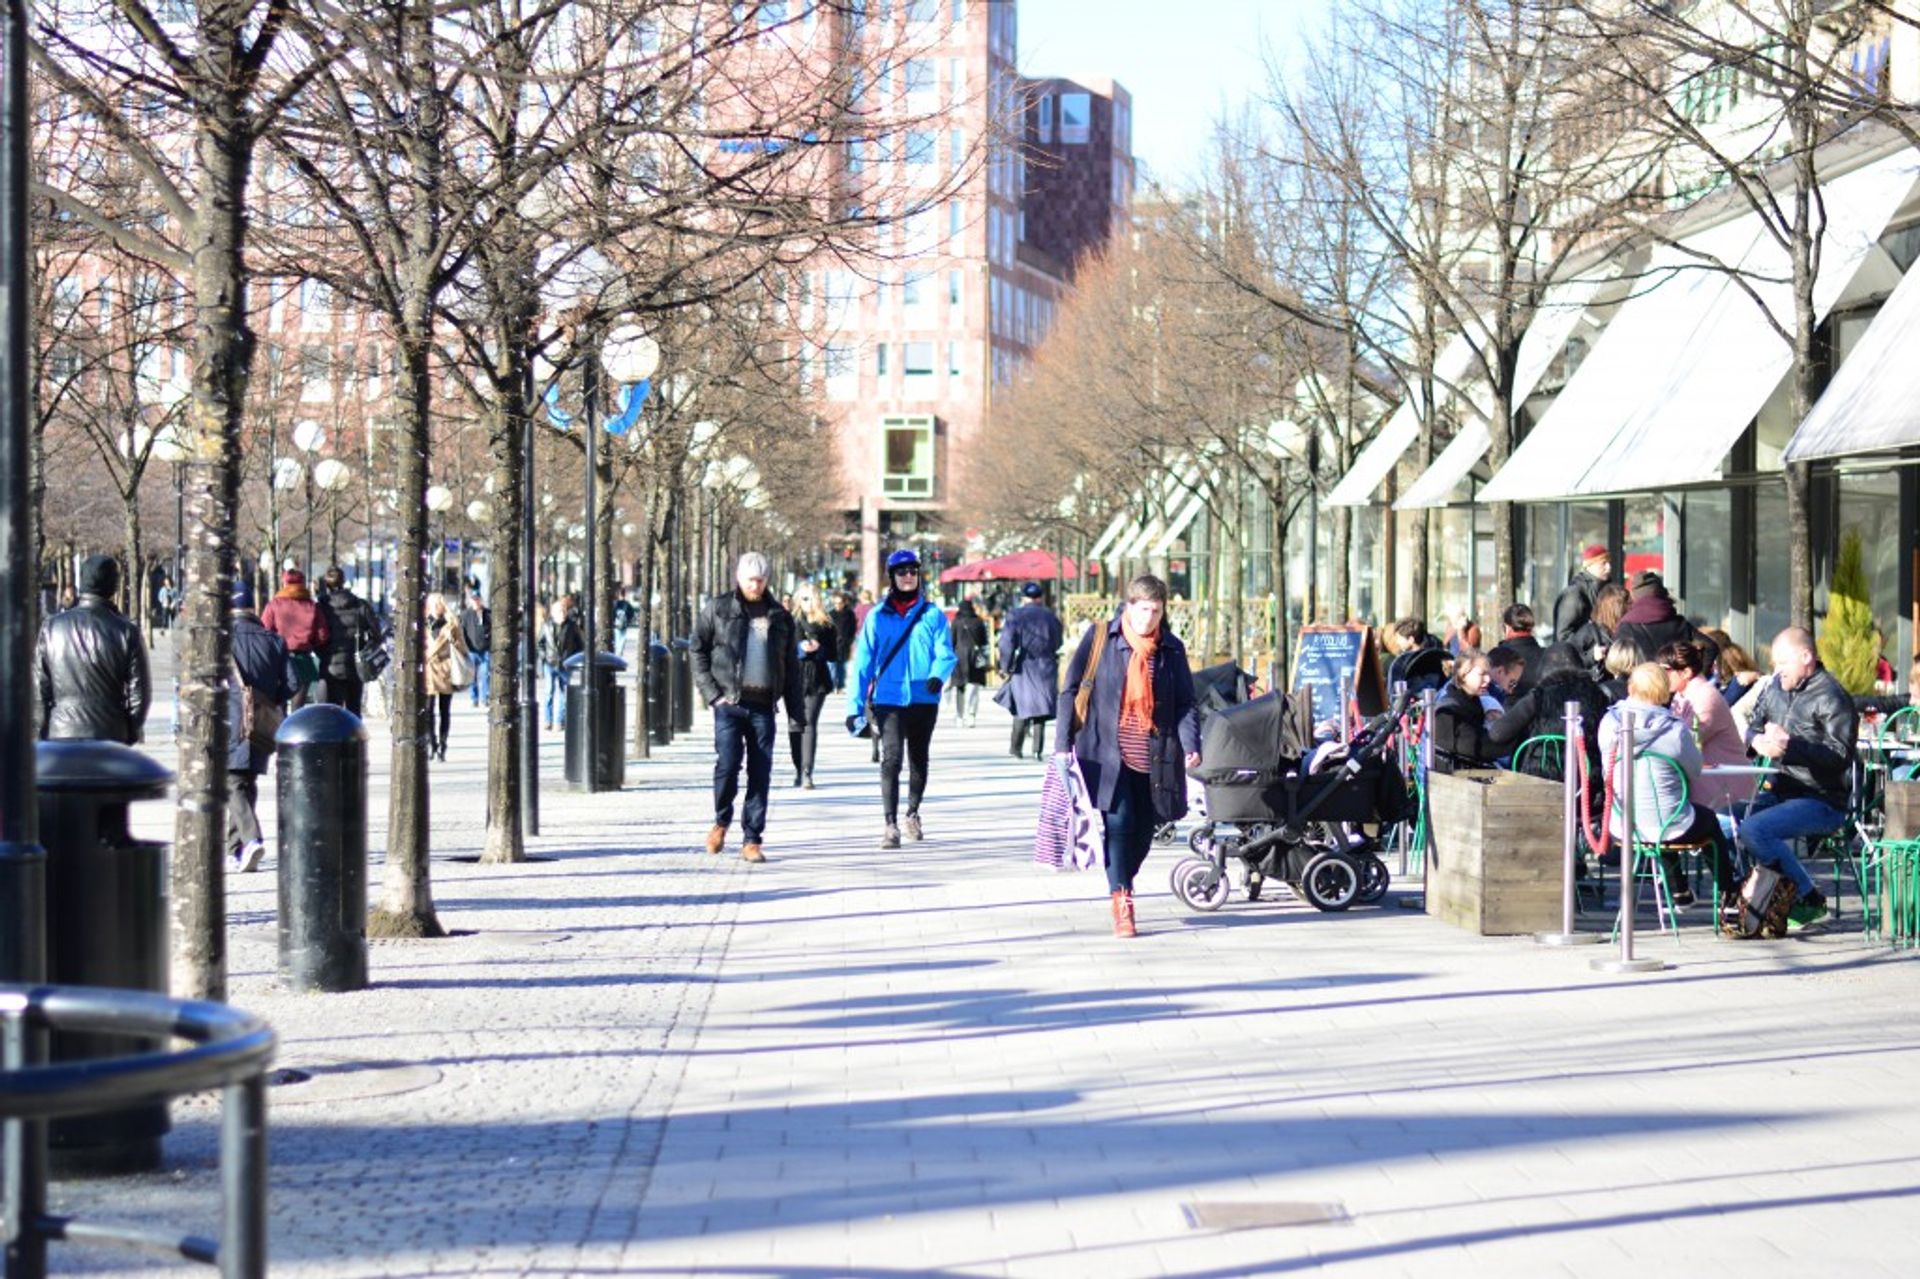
345,692
907,729
1039,726
1704,829
442,716
243,825
806,741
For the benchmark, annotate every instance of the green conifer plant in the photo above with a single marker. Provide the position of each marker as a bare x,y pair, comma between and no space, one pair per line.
1849,644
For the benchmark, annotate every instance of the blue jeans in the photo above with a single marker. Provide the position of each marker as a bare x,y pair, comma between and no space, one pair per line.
1773,821
1130,825
742,731
482,685
839,672
556,716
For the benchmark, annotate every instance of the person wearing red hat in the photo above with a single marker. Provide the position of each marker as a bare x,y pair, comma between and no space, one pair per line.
293,615
1574,605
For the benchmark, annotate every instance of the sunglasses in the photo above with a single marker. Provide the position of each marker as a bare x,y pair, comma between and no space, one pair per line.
906,571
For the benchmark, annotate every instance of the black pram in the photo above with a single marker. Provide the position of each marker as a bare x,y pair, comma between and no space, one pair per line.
1285,807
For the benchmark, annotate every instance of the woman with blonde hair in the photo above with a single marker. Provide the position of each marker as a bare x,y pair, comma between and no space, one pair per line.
819,643
443,637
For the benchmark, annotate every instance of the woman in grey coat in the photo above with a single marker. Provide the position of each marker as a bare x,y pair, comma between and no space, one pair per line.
1030,660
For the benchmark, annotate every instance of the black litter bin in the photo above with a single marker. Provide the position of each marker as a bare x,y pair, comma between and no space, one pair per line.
610,734
321,763
683,686
106,926
660,694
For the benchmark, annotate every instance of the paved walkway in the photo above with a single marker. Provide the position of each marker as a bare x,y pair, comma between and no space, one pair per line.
646,1061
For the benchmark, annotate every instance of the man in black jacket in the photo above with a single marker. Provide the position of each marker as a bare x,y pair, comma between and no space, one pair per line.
92,665
1651,622
1516,625
1806,724
476,628
263,684
351,628
743,663
1574,605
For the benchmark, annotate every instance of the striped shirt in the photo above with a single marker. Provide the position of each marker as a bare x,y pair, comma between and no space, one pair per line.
1135,741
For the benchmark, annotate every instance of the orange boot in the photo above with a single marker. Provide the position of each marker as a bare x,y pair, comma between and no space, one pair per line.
1123,914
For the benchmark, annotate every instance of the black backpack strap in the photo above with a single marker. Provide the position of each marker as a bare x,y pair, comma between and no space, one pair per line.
913,620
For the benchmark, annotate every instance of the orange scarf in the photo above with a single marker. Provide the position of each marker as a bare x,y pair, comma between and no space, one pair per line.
1136,701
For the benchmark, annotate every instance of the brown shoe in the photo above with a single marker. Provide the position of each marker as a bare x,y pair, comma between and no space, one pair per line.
1123,914
750,852
716,839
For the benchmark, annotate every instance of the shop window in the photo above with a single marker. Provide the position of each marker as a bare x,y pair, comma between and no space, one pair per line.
909,464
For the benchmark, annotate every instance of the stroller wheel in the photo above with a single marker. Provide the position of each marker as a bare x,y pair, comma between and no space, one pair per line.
1166,833
1373,880
1199,884
1201,840
1330,881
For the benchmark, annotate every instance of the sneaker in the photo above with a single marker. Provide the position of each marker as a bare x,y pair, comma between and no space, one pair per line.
1806,913
891,839
247,860
1682,898
913,831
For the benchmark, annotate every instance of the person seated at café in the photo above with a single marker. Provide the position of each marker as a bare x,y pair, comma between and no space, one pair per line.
1462,737
1508,668
1664,808
1594,636
1652,620
1516,625
1621,657
1806,724
1700,707
1734,673
1563,677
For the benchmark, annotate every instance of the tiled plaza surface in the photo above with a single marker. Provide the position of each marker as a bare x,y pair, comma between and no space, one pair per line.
641,1060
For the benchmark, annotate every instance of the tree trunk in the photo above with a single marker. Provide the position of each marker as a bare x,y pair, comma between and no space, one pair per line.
136,583
507,601
223,353
1800,562
644,620
1340,591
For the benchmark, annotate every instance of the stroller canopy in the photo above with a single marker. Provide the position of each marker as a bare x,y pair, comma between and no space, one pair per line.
1215,687
1266,736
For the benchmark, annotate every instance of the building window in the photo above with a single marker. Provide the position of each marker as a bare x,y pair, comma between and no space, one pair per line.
953,359
1044,122
956,150
837,367
913,288
880,359
918,149
957,13
909,457
956,82
955,286
918,83
953,226
316,306
315,372
916,368
922,10
1076,118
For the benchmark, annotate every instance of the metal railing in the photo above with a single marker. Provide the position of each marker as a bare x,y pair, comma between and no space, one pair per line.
229,1050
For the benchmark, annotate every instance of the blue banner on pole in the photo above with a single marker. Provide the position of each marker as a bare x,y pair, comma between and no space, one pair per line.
636,399
557,415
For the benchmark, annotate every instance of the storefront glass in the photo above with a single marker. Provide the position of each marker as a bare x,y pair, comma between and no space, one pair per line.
1702,581
1770,568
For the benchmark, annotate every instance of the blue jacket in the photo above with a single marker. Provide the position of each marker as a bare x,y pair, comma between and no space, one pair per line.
927,654
260,662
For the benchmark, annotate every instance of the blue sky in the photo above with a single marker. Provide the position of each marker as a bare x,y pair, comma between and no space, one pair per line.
1184,61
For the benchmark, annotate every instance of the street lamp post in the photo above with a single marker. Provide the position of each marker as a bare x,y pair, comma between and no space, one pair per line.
333,476
439,501
309,437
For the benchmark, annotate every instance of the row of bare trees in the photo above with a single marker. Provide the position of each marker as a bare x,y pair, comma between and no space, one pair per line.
1415,179
490,186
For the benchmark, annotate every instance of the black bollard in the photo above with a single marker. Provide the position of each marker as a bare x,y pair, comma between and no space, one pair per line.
683,686
106,926
322,780
660,695
610,737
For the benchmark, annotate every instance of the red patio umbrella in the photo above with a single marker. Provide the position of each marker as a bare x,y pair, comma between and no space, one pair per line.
1021,566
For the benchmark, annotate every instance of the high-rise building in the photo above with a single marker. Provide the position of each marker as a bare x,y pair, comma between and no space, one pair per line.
906,365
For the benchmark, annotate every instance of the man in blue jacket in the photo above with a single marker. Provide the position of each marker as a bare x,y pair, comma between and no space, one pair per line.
901,660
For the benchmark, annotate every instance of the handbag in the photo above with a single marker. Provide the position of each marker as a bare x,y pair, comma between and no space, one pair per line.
978,661
860,723
371,662
459,665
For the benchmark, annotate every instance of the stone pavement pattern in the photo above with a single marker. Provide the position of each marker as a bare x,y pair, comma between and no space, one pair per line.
645,1061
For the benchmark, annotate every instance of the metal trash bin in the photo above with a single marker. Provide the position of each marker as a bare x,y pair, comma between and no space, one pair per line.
610,733
683,686
660,694
106,926
321,768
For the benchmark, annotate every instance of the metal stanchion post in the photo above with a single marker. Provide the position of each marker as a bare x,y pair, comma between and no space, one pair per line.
1567,936
1424,762
1626,963
1346,713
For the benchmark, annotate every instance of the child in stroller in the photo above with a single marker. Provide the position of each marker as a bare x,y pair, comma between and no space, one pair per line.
1283,807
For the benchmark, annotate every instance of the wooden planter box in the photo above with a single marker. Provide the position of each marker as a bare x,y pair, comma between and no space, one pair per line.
1494,854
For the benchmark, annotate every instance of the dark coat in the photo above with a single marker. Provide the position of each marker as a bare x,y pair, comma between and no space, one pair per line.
815,676
1530,650
720,646
260,662
1651,622
1822,724
560,641
1573,607
476,628
1543,710
1033,690
1176,719
1462,737
969,634
93,677
351,627
845,626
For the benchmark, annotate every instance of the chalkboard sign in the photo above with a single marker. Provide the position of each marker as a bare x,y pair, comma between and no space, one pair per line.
1323,655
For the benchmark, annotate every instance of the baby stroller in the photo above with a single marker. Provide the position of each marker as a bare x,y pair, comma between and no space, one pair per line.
1214,689
1282,808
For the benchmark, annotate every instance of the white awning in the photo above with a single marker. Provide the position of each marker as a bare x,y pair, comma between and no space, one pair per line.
1873,402
1683,432
1553,323
1689,360
1115,528
1384,451
1177,528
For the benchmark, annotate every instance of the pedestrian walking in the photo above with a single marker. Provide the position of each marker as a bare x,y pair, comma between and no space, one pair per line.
902,661
972,657
819,652
744,662
624,615
560,639
295,617
449,668
1128,715
92,665
476,628
1030,663
845,627
352,628
263,683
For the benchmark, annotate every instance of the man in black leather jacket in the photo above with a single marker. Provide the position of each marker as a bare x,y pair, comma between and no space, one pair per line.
92,665
745,661
351,627
1806,724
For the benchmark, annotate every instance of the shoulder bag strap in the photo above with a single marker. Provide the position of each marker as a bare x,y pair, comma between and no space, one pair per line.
1084,698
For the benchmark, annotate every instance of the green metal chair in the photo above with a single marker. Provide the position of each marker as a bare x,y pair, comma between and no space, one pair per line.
1546,752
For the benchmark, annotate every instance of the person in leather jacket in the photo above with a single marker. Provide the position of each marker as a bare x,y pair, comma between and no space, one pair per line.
351,627
92,665
744,662
1806,724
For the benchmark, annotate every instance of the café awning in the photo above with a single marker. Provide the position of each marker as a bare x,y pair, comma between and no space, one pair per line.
1873,402
1377,460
